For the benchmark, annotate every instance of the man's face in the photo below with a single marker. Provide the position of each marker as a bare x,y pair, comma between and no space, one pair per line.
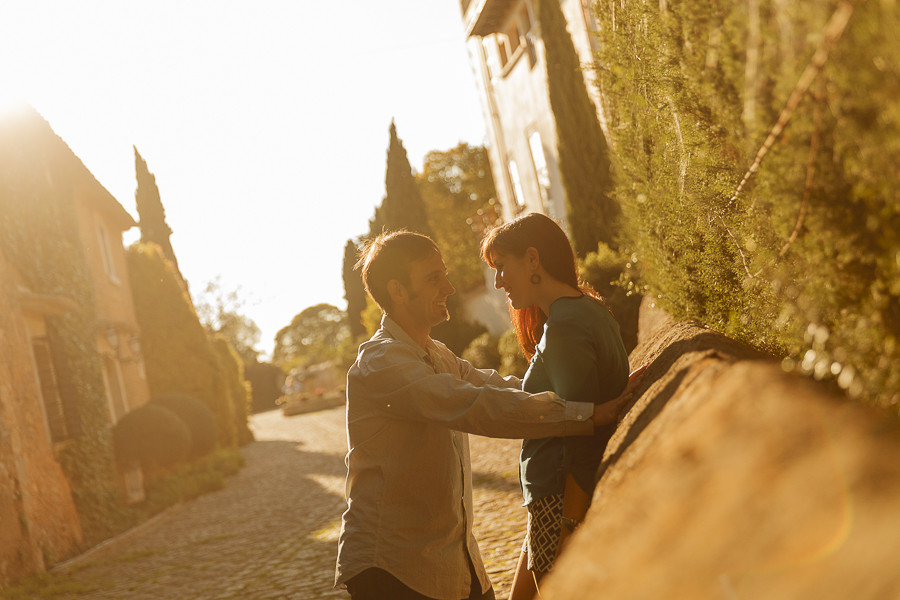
428,291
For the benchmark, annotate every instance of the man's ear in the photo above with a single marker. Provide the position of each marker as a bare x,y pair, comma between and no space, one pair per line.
397,291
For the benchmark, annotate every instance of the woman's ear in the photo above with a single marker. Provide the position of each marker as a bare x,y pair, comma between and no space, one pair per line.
533,257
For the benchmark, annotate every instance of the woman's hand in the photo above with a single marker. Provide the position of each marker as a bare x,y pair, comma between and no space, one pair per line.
608,412
636,377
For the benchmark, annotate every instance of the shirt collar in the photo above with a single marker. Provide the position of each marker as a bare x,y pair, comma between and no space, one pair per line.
399,334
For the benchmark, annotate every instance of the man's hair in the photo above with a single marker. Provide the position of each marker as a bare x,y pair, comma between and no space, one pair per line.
389,256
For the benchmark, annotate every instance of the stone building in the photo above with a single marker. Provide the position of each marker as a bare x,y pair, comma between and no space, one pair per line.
39,524
508,59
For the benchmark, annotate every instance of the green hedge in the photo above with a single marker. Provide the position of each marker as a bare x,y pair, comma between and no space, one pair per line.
178,354
803,259
236,387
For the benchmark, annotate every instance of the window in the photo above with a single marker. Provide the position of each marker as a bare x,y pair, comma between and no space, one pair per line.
518,194
106,253
541,171
514,37
53,405
115,389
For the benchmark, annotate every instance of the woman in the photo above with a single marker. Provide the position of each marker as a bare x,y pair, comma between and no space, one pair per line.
574,348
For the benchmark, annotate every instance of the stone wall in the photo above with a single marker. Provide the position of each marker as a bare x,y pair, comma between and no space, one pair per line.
730,478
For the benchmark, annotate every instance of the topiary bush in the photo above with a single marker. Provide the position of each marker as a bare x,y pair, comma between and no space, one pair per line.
197,416
153,437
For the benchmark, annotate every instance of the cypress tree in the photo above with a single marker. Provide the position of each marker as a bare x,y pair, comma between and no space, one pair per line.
402,207
154,228
584,162
354,291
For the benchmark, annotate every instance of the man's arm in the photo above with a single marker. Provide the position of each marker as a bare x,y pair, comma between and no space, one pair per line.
608,412
477,376
395,382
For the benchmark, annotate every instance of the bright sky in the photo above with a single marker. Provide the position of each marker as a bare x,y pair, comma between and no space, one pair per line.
265,122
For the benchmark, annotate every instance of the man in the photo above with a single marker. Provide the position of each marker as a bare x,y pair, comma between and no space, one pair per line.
407,530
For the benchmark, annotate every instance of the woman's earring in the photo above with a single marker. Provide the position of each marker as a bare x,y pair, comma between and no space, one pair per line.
535,278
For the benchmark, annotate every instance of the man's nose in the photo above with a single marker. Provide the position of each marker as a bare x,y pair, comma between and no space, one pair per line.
448,287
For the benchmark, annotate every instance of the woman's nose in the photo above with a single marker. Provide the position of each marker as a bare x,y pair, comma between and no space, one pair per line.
498,282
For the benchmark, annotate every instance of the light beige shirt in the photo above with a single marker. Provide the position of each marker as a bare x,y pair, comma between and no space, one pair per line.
409,482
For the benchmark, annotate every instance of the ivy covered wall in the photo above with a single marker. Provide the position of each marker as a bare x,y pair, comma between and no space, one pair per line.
755,148
39,177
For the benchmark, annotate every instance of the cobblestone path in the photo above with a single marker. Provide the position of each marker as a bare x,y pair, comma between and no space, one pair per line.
272,531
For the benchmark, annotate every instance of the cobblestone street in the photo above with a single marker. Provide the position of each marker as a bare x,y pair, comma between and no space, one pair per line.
272,531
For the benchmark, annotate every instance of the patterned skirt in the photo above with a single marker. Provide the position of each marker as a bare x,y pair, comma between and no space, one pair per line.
544,531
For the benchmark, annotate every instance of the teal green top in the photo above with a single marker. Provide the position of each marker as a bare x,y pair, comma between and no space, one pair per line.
581,358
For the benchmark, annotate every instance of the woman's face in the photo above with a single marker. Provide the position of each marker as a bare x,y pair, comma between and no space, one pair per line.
513,275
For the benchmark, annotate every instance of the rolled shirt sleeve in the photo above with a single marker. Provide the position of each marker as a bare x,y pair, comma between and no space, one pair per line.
398,382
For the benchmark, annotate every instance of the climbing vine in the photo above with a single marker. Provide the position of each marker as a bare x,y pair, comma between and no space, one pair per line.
38,233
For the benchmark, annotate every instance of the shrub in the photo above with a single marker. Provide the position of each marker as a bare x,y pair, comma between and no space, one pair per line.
151,436
512,361
197,416
483,353
236,387
782,237
189,480
611,275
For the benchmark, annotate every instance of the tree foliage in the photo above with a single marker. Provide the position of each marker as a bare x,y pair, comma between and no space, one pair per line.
591,213
402,206
316,334
354,290
154,228
458,190
755,150
220,311
452,177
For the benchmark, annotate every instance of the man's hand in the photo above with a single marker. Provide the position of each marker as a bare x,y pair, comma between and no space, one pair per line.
608,412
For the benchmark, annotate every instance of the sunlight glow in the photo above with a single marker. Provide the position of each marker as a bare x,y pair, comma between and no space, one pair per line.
259,124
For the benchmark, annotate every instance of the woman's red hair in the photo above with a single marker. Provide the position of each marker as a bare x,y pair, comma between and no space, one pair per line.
543,233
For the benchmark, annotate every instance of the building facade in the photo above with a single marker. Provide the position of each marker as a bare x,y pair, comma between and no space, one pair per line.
508,60
39,414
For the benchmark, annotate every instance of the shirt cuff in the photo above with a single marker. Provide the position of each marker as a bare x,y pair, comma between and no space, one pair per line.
578,418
